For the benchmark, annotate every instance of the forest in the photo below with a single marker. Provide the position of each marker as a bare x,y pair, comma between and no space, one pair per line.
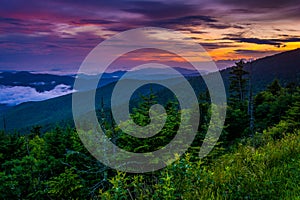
256,157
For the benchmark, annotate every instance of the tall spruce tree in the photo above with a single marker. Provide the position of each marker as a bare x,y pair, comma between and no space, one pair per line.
238,82
237,119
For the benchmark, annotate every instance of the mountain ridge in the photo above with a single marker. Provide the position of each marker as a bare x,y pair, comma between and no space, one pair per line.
284,66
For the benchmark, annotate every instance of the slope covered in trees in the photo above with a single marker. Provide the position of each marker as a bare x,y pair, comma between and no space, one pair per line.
283,66
265,165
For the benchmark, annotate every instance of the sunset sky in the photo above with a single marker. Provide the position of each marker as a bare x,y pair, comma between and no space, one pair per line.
55,36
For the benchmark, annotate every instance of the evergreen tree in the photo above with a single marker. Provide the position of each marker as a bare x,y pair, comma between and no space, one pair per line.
238,82
237,119
274,87
293,114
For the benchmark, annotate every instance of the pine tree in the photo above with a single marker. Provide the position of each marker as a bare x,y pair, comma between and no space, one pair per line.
275,87
238,82
237,116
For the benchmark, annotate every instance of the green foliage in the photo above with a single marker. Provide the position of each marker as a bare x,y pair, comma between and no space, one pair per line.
67,185
271,108
263,167
269,172
140,116
275,87
293,114
237,121
238,82
55,164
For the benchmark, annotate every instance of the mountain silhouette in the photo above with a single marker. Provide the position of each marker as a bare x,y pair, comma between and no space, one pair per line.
283,66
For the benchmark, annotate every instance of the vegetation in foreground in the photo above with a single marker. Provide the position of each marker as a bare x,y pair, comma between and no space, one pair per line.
249,162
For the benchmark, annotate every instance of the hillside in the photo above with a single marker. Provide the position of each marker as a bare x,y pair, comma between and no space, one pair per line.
284,66
57,111
57,165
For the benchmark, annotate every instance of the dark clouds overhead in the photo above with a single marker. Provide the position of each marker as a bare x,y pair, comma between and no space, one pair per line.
266,9
53,33
275,42
159,10
186,21
253,52
95,21
258,4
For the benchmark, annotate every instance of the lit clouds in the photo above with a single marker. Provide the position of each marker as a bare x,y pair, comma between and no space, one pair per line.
40,37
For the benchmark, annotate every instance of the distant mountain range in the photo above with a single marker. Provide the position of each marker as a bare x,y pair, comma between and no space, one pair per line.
47,82
19,87
40,82
283,66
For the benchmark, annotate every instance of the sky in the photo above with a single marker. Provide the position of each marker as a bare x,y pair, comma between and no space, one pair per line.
55,36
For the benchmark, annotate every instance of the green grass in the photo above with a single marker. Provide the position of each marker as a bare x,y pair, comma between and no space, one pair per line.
271,171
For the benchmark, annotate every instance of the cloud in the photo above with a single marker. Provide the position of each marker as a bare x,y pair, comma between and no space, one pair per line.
183,22
260,3
289,39
256,41
95,21
19,94
45,35
219,25
263,10
161,10
275,42
12,21
217,45
247,51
